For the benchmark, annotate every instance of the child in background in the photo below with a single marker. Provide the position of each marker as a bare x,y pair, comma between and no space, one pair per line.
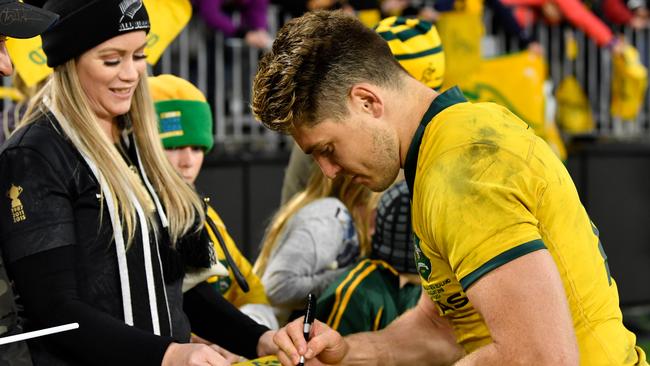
378,289
312,239
185,123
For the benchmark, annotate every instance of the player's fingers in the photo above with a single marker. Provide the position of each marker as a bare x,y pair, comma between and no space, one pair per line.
327,343
295,332
285,360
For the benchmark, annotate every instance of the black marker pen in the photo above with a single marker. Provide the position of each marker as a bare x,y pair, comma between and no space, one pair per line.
309,320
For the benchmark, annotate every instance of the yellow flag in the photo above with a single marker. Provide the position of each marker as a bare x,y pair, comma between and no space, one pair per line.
29,59
11,93
574,113
571,46
515,81
167,17
369,17
629,84
461,33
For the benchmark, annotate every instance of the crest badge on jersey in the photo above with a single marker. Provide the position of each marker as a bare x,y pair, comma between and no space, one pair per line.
422,263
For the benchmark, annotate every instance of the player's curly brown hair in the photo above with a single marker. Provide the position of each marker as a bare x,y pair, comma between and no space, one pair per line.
314,62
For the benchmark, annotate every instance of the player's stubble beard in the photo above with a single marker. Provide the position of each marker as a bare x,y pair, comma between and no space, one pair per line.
385,162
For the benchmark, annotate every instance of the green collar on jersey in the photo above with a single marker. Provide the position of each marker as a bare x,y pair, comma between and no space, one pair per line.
441,102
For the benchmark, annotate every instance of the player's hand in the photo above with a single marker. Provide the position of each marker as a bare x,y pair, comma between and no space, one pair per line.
192,354
326,346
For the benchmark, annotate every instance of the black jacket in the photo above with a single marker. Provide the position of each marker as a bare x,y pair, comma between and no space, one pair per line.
58,244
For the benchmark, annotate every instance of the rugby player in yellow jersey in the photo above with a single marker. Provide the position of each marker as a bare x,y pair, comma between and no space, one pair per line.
512,267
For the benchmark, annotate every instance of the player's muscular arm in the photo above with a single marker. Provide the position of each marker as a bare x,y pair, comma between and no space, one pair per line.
524,305
418,337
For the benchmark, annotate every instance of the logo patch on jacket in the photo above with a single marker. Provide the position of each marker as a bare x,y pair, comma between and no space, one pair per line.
17,211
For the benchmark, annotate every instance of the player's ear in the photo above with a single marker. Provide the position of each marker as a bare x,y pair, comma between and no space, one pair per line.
365,98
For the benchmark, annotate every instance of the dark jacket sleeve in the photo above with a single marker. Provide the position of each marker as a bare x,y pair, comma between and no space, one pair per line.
215,319
37,232
48,289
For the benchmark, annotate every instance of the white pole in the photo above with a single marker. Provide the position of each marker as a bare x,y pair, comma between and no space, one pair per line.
38,333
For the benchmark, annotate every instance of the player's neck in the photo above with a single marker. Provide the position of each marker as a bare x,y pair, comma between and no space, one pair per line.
411,105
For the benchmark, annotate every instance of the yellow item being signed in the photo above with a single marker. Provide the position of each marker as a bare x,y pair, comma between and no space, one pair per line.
262,361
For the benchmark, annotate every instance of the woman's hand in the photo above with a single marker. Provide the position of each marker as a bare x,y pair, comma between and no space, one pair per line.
265,345
192,354
229,356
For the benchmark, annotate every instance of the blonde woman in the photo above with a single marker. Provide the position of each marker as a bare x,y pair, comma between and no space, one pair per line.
98,228
312,239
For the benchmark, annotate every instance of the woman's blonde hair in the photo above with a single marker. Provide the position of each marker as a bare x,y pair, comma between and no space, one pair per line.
182,205
353,196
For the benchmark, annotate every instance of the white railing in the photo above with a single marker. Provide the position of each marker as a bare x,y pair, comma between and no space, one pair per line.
223,68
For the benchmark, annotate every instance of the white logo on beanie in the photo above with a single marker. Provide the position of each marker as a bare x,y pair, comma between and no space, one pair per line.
129,8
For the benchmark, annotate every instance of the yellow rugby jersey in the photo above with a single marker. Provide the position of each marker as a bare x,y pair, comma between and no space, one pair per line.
486,190
228,285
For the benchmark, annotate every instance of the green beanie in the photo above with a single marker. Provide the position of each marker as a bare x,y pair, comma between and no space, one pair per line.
184,116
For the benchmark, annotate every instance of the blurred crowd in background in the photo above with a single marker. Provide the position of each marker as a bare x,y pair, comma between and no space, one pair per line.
568,68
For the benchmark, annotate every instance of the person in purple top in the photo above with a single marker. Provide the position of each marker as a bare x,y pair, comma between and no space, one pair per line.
253,24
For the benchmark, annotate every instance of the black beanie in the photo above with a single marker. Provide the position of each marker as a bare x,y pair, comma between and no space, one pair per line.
393,238
85,24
